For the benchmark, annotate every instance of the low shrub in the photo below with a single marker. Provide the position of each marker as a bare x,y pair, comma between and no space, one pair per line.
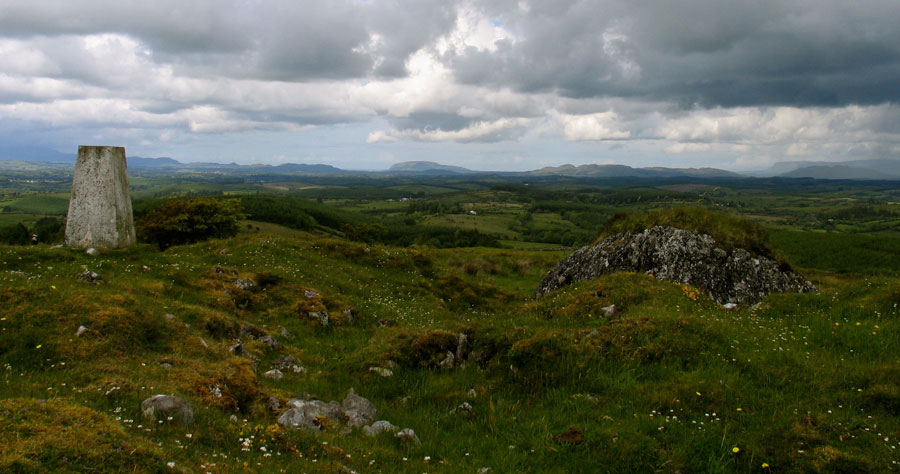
186,220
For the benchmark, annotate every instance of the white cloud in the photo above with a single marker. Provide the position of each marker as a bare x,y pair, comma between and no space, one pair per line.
479,131
598,126
678,148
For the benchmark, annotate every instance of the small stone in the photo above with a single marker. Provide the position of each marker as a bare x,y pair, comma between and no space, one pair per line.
484,470
358,411
320,316
274,374
408,436
80,331
384,372
273,404
609,311
730,305
169,316
465,410
472,393
448,361
236,349
348,315
165,365
244,284
298,369
144,267
381,426
571,436
462,347
269,341
285,333
165,407
309,294
284,363
90,277
222,251
92,252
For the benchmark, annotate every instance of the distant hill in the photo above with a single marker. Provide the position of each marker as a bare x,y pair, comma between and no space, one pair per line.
839,172
888,166
35,154
307,169
613,171
427,167
141,162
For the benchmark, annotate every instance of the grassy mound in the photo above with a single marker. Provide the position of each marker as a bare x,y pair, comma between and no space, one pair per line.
730,232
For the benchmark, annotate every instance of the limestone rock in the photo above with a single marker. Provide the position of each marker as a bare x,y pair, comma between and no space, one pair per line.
100,206
681,256
464,410
166,407
358,411
274,374
310,415
381,426
408,436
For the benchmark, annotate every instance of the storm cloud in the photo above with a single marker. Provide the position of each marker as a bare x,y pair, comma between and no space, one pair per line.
725,83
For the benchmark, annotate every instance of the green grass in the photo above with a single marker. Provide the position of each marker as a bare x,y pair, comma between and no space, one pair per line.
669,383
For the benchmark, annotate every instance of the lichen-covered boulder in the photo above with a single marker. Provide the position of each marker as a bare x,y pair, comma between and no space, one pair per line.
358,411
100,205
168,408
682,256
310,415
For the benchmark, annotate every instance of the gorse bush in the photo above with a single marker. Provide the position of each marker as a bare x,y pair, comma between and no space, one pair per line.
186,220
730,232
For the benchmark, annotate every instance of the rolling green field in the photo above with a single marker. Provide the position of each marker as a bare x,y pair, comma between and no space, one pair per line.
672,382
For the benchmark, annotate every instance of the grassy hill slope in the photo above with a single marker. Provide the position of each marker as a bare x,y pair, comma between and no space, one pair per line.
671,382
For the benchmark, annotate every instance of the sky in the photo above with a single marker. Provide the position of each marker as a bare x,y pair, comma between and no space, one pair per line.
488,85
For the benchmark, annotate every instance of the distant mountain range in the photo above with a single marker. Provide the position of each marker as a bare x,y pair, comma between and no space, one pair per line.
879,169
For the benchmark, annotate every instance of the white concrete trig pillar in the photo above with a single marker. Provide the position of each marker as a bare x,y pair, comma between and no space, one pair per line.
100,206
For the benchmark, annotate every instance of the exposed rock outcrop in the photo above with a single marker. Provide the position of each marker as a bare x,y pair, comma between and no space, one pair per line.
678,255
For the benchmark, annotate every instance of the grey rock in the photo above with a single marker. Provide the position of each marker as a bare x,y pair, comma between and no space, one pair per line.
358,411
729,305
100,205
321,317
609,311
244,284
409,437
310,415
681,256
169,316
309,294
167,407
284,363
285,333
273,404
484,470
448,361
381,426
237,349
382,371
269,341
464,410
92,252
80,331
274,374
90,277
462,347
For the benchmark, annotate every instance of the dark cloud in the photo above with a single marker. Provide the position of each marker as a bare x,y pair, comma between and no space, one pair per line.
697,52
